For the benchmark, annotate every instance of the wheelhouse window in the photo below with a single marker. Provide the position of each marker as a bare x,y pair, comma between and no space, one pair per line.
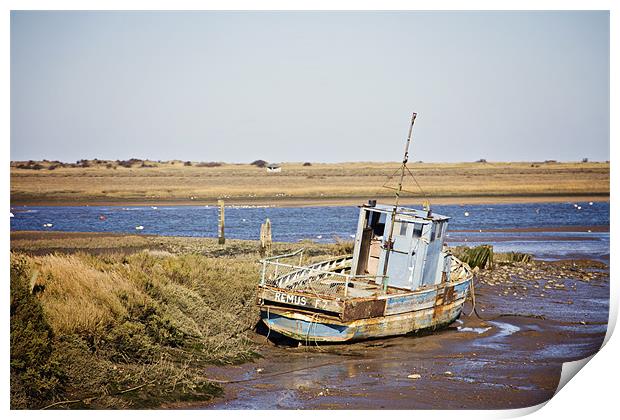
377,223
403,228
440,226
417,230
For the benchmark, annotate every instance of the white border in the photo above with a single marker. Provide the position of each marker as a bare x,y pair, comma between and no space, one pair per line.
591,395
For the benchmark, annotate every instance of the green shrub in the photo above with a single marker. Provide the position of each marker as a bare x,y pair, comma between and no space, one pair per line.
36,375
131,343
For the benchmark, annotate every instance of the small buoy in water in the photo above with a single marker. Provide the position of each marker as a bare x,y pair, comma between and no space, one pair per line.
480,230
589,231
466,213
319,236
578,207
447,372
352,236
575,205
243,220
154,208
47,225
590,203
102,217
139,227
414,376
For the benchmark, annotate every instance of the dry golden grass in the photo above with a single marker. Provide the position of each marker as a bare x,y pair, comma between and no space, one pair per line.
78,297
211,299
125,320
245,183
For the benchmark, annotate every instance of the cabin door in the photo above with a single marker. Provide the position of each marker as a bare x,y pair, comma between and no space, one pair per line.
400,264
362,265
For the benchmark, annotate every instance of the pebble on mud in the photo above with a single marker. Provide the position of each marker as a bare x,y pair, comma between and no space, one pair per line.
414,376
447,373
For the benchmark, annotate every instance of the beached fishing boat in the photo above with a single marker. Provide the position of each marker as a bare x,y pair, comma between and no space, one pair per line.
400,279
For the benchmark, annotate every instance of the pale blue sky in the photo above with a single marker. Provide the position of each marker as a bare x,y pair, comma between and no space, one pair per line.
309,86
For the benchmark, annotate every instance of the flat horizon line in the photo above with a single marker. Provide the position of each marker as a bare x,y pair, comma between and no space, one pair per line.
302,162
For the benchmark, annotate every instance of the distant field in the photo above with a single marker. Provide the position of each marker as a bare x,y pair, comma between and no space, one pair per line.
180,182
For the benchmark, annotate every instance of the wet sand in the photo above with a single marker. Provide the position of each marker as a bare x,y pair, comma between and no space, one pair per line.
510,362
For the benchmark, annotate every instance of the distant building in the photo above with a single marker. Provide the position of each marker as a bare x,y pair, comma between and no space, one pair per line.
273,168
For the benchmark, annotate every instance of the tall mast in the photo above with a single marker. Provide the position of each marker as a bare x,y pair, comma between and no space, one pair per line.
405,160
389,244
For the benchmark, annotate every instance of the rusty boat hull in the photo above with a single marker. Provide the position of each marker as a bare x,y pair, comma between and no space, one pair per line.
360,319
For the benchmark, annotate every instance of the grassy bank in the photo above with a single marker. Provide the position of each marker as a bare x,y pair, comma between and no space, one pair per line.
147,182
92,327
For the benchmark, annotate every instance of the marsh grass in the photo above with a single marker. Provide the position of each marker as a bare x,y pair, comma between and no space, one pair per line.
94,315
119,320
483,256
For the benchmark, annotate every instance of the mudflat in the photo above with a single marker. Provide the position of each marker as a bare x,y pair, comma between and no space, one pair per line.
533,317
195,183
530,318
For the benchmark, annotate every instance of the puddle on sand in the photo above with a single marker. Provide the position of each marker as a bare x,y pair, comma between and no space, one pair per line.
479,330
470,329
498,340
505,329
565,350
493,385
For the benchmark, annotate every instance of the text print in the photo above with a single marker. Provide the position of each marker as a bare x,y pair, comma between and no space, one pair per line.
292,299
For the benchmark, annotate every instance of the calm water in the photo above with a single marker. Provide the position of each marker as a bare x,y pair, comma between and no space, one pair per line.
324,224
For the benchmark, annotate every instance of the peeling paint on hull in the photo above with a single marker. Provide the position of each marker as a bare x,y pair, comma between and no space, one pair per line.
320,328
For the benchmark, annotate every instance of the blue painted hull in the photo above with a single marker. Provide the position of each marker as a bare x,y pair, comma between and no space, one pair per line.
405,313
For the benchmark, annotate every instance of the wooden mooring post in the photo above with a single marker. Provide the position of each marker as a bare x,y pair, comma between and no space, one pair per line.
221,237
265,239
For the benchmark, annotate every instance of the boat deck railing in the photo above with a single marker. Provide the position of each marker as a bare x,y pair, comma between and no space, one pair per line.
331,277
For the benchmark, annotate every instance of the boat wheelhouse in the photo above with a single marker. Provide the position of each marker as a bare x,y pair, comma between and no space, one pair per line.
400,279
349,297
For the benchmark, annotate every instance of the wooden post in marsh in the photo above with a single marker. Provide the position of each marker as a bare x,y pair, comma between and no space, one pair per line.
221,237
265,239
490,264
